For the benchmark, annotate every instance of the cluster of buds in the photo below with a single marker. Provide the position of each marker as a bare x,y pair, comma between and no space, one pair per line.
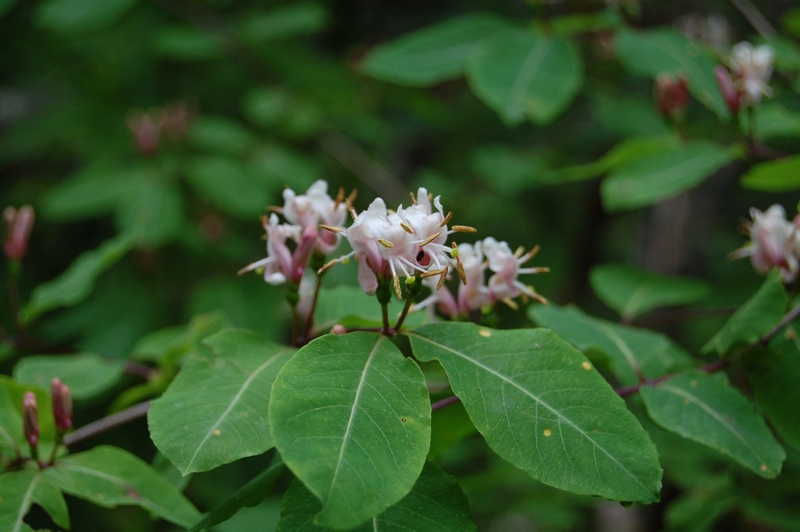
409,242
304,215
751,68
476,293
62,414
672,95
774,242
147,128
19,223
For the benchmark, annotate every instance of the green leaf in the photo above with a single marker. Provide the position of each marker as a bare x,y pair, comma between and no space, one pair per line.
543,408
659,176
75,284
521,74
284,22
629,350
775,381
448,426
154,215
221,135
775,120
782,175
227,183
21,489
168,346
433,54
628,114
351,418
184,43
215,411
753,319
109,477
351,307
626,152
87,374
633,292
650,53
706,409
75,16
251,494
435,504
507,170
277,167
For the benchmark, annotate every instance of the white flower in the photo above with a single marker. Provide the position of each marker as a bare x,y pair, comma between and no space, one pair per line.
752,68
281,264
313,208
775,242
503,285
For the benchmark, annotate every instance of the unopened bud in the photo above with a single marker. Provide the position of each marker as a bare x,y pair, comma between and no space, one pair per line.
726,87
672,95
146,131
338,329
62,405
19,223
30,420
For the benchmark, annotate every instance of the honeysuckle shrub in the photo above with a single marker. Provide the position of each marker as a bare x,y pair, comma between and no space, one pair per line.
383,359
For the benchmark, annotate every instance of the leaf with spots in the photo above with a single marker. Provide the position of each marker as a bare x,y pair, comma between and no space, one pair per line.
435,504
215,411
542,407
704,408
109,476
351,418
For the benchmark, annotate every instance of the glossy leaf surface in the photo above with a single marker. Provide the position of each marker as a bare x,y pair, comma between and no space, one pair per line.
706,409
351,418
87,374
629,350
782,175
215,411
544,408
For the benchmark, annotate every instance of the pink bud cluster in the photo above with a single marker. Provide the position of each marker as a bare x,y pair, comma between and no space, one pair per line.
304,215
19,223
477,292
774,242
750,70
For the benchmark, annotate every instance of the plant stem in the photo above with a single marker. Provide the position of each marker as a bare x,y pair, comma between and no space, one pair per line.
106,423
385,314
786,320
444,402
310,320
402,318
294,325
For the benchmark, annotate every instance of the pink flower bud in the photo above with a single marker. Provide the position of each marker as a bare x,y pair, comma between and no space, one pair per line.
19,223
727,89
338,329
62,405
30,419
146,131
672,95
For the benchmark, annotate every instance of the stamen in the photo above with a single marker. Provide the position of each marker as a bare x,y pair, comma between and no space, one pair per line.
532,253
464,229
430,239
327,266
519,251
431,273
352,196
413,198
397,288
331,228
339,198
385,243
540,269
275,208
442,278
446,219
406,228
511,303
460,268
350,208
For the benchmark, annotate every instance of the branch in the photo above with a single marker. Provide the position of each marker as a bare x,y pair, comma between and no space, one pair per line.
787,319
754,17
106,423
444,402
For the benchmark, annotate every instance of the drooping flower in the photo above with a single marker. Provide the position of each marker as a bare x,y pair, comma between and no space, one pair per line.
282,265
672,95
406,243
752,68
313,208
774,242
504,285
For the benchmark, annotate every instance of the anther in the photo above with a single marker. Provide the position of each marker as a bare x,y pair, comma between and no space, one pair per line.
406,228
446,219
442,277
464,229
430,239
431,273
397,288
327,266
331,228
385,243
413,198
460,268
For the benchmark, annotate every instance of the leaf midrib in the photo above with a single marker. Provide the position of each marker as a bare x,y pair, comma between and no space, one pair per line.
233,403
26,502
537,399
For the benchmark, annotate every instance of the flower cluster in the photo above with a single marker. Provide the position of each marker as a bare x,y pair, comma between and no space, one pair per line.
476,293
751,67
774,242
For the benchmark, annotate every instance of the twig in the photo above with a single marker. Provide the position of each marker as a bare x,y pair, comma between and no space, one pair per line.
630,390
444,402
754,17
106,423
666,318
786,320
